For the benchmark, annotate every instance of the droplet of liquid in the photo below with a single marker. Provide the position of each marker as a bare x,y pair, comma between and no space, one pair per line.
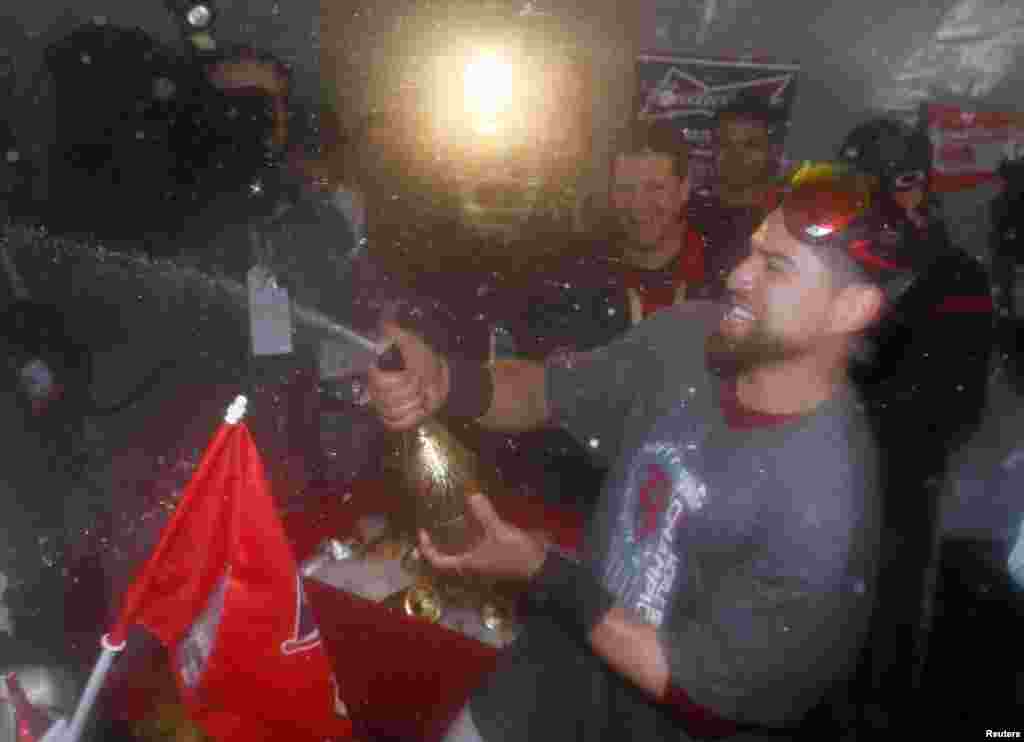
492,616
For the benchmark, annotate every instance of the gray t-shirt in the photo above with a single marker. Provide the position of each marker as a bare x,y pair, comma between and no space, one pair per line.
750,545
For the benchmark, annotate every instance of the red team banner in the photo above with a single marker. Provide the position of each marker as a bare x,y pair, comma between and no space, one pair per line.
223,593
693,92
968,146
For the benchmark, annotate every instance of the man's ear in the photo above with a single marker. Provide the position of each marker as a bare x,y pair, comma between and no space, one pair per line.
856,307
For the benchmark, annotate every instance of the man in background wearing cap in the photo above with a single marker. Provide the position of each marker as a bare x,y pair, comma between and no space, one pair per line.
925,381
728,569
917,370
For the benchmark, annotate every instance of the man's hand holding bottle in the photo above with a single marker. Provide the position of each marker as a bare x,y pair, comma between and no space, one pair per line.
405,397
408,396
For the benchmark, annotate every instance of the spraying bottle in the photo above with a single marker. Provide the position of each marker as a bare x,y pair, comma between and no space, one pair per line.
439,473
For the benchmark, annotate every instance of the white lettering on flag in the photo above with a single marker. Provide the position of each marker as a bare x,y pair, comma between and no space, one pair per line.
306,634
195,649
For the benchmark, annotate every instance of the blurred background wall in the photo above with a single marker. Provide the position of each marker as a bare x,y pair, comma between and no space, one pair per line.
353,55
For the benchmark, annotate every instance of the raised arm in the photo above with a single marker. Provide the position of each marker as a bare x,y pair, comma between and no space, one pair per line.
519,401
508,396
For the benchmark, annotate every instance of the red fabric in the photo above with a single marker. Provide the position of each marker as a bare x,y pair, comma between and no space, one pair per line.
225,550
739,417
407,678
699,721
966,305
402,678
687,267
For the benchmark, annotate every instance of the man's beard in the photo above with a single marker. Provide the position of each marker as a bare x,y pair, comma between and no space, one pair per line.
728,356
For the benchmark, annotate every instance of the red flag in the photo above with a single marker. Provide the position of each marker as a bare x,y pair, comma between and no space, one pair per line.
222,592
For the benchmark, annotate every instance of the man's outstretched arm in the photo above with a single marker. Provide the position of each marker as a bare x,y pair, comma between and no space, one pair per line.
508,396
519,401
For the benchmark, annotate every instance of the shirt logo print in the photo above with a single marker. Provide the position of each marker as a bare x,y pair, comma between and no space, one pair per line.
654,494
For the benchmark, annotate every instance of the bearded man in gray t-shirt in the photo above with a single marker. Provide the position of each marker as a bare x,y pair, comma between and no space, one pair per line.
727,574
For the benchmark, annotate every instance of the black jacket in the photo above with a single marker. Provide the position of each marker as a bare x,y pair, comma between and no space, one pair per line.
926,383
1007,275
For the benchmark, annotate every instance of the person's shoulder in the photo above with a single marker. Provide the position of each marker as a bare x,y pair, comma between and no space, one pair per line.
702,314
573,251
838,433
848,436
831,460
575,262
677,333
963,266
953,275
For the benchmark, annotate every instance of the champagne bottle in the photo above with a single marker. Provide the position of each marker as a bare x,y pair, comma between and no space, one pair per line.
439,472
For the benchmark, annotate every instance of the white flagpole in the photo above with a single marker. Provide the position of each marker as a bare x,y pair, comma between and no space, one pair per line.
236,411
74,730
59,732
56,731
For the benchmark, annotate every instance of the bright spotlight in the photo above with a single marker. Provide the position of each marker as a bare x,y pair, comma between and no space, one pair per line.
488,91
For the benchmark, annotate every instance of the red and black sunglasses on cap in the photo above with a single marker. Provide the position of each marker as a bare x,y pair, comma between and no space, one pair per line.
827,205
